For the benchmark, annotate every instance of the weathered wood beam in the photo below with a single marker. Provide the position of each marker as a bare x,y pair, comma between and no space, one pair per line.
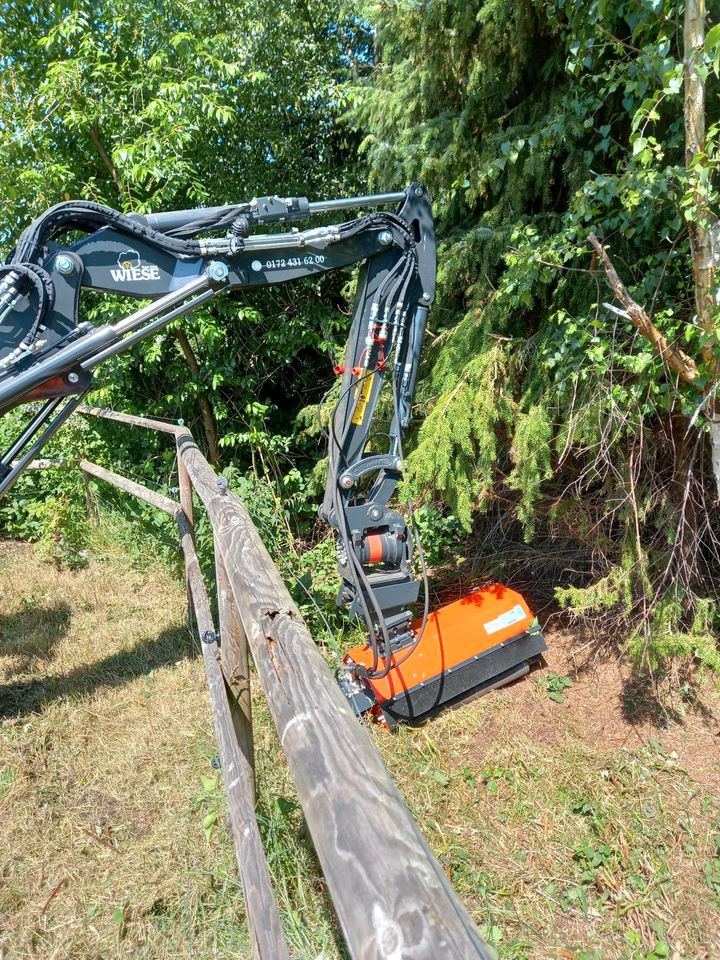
130,486
391,895
235,660
186,502
263,916
50,463
146,422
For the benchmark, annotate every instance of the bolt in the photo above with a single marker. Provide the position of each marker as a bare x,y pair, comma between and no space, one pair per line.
346,482
218,270
399,464
210,636
375,513
385,238
418,191
64,264
426,297
222,484
73,377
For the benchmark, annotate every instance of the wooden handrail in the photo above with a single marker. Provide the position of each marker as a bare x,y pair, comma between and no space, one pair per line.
391,895
263,916
157,500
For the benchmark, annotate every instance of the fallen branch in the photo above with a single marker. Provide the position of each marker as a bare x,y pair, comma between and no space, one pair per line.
677,360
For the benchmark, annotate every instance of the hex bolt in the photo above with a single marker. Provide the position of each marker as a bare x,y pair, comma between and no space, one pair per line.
64,265
210,636
426,297
346,482
73,377
418,191
385,238
218,270
375,513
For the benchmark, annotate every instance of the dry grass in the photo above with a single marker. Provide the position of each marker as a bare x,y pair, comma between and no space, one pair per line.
570,832
106,776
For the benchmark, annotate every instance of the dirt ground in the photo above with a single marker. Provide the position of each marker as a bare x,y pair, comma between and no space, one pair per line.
609,708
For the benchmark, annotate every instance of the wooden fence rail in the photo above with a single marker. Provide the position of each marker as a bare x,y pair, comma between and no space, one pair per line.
391,896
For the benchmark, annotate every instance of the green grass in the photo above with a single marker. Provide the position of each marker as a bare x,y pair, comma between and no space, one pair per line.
563,843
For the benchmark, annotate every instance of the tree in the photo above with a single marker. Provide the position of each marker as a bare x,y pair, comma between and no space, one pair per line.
172,105
540,126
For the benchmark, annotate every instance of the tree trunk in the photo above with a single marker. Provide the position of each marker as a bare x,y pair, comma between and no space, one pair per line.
206,411
699,227
685,494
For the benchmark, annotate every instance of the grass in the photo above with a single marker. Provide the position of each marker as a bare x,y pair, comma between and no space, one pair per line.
564,841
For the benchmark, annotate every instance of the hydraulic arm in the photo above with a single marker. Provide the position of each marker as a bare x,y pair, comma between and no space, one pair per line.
181,259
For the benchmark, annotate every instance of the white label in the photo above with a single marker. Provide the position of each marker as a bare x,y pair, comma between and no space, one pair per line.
130,268
505,619
290,263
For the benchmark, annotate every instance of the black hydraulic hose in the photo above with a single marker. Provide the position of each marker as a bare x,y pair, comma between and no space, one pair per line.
87,216
36,277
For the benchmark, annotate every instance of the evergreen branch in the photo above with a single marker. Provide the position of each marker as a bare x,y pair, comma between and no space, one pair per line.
676,359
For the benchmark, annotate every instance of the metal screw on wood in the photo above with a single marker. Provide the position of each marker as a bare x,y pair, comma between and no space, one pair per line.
222,484
210,636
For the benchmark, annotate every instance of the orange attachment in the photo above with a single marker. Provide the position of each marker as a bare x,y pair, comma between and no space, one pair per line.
454,634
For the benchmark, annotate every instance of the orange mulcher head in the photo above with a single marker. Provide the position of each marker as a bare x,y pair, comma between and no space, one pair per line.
480,642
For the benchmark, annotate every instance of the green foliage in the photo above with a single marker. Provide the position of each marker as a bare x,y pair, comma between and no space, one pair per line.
439,534
456,447
609,592
669,638
555,685
152,107
49,506
533,124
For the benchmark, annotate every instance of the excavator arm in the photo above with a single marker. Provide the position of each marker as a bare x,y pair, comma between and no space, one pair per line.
181,259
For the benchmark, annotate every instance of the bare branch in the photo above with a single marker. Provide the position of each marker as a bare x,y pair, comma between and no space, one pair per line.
94,133
206,410
677,360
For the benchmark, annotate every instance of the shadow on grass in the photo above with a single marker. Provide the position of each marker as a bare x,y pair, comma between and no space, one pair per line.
31,696
33,632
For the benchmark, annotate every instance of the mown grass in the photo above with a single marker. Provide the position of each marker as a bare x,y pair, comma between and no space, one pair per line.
112,841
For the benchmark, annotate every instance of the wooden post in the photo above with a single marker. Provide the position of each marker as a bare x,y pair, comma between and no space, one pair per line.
186,502
263,916
391,895
235,661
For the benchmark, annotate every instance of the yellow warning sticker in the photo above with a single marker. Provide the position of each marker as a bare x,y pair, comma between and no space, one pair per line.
362,396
